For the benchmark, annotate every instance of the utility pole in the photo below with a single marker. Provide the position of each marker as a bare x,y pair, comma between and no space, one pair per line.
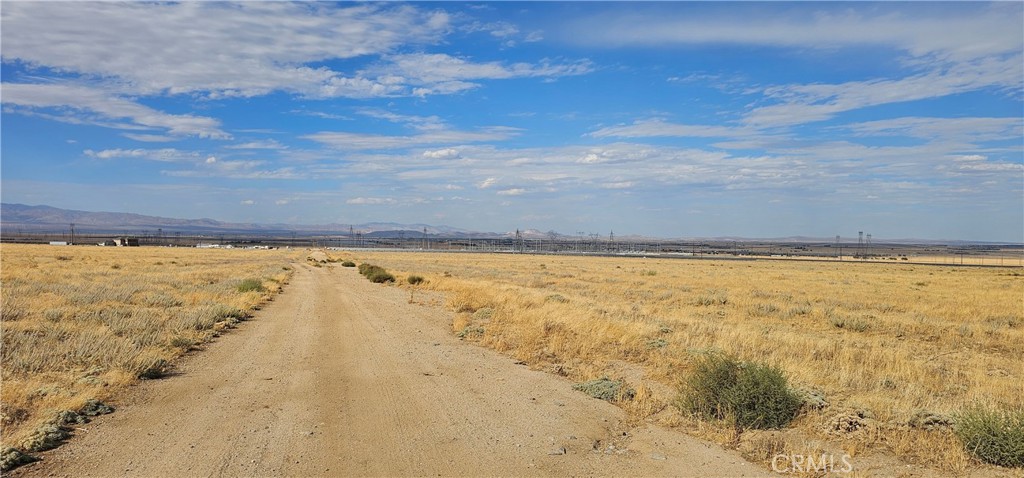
72,234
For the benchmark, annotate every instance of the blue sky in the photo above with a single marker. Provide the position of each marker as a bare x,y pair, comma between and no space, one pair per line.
660,119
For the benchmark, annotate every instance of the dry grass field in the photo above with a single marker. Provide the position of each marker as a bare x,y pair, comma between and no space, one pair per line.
894,348
81,323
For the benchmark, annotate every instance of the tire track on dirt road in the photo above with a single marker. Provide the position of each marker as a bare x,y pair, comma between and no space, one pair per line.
342,377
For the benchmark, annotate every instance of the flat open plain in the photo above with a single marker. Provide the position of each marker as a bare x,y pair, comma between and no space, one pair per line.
342,377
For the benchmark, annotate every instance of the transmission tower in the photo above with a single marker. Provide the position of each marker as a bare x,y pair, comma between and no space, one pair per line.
860,243
72,234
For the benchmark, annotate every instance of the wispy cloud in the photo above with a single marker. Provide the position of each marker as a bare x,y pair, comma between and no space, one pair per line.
446,153
363,201
657,127
261,144
950,30
149,138
440,73
229,58
81,104
805,103
973,129
361,141
164,155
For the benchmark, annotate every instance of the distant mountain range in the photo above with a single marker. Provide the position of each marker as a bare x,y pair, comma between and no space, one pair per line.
28,219
19,218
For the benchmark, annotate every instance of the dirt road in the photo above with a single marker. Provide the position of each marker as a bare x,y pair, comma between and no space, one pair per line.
342,377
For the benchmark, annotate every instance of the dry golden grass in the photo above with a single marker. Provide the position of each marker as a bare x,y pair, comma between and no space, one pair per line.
887,340
82,323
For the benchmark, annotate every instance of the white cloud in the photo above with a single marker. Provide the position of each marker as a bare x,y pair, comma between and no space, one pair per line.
262,144
512,192
236,170
149,138
486,183
447,153
370,201
498,29
445,74
282,202
991,167
957,31
656,127
619,185
798,104
972,129
165,155
93,106
212,47
248,202
361,141
319,114
422,123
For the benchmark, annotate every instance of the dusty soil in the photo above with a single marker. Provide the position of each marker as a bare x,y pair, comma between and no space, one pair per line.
342,377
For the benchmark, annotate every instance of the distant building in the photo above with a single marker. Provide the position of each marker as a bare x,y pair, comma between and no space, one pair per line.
58,243
126,241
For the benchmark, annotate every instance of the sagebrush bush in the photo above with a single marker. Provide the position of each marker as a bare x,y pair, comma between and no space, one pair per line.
606,389
994,436
251,285
751,395
712,297
348,264
414,279
381,276
375,274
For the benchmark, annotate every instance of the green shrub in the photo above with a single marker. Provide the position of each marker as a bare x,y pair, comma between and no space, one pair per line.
375,274
469,331
606,389
11,458
251,285
414,279
47,437
751,395
483,314
380,276
348,264
994,436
